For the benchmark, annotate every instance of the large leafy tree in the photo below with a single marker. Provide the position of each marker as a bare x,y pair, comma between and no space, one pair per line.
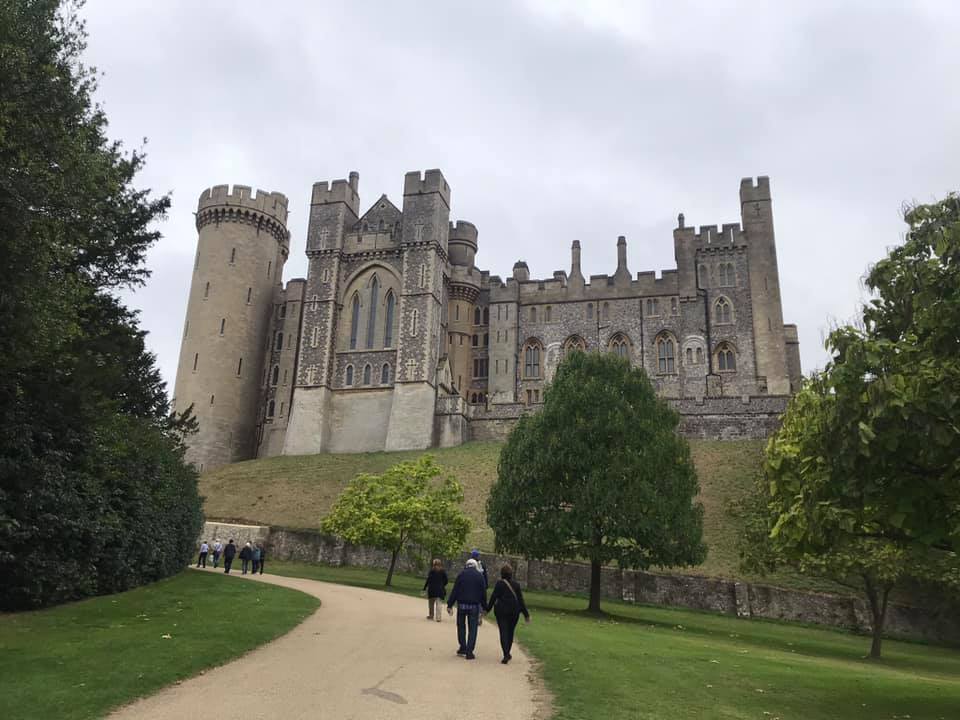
76,382
599,473
863,479
405,508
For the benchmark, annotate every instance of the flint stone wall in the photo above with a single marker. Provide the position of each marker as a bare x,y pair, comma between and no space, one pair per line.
939,624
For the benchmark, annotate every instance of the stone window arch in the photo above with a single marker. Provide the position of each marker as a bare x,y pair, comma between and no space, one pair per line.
372,319
533,314
271,407
275,375
486,316
476,316
385,374
606,311
689,356
590,311
348,376
699,354
620,346
388,321
548,314
666,354
726,357
703,277
278,345
574,343
727,275
475,341
366,374
532,353
354,320
414,322
722,311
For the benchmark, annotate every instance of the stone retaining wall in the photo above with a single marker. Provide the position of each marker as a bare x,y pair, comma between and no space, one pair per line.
741,599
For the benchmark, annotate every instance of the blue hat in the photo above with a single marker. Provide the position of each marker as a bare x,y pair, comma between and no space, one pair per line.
474,553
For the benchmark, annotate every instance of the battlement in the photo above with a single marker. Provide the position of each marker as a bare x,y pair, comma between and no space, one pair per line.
272,204
727,235
754,192
432,181
463,232
342,191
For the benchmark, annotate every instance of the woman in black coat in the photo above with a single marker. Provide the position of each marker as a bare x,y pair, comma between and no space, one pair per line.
436,589
507,604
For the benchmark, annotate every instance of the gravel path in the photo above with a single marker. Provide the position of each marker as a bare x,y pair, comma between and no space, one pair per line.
363,654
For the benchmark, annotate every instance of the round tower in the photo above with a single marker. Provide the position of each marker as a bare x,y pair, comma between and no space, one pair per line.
242,245
464,291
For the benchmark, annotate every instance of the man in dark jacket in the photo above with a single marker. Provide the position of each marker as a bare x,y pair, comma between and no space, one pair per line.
246,555
229,552
470,594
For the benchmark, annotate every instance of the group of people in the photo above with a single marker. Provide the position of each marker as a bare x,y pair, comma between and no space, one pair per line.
469,594
252,557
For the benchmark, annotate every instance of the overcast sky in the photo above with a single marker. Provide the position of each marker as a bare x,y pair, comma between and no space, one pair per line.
552,120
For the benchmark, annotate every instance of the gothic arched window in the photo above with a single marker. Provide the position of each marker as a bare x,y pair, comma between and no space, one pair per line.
385,374
486,316
531,359
726,358
727,276
275,376
548,314
354,321
366,374
348,375
372,320
476,316
271,407
574,343
666,349
388,322
606,311
620,346
533,314
722,311
689,354
589,311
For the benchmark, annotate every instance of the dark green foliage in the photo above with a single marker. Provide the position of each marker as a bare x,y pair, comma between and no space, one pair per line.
94,494
600,473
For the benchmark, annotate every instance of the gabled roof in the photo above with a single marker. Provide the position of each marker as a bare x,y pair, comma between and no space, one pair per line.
382,210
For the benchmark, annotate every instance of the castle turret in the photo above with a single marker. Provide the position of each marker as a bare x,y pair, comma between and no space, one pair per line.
769,334
464,291
242,245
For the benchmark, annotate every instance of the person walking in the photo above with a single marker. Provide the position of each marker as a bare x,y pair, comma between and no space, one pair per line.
255,550
475,555
436,589
246,555
507,604
263,557
470,594
217,551
204,549
229,552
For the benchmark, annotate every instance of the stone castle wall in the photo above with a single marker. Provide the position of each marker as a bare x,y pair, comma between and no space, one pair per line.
728,597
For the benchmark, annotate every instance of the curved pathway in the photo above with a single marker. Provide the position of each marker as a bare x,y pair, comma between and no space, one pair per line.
363,654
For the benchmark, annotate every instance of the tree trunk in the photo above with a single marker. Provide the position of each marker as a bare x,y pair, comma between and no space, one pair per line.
393,564
594,606
877,598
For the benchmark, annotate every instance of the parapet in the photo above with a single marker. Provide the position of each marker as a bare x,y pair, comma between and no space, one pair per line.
754,192
790,333
463,232
521,271
344,191
432,181
272,204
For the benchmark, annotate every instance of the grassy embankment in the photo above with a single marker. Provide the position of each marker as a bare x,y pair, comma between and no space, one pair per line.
82,659
296,491
643,662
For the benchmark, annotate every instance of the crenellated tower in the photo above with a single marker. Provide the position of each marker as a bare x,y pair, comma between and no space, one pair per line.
242,245
464,291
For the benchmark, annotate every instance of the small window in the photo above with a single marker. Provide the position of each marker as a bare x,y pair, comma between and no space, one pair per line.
315,336
699,356
665,355
475,341
620,346
533,314
223,324
283,310
415,322
589,311
275,375
278,345
284,377
486,339
249,294
206,291
348,379
196,359
723,311
456,311
726,358
548,314
186,329
354,321
233,256
486,316
674,306
689,354
531,360
385,374
239,367
270,408
269,268
727,276
476,316
211,399
366,374
281,408
606,311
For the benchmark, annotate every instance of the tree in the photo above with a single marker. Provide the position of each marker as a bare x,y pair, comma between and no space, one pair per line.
402,509
599,473
76,382
863,478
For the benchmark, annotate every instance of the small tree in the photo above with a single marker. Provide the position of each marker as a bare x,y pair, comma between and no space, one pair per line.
600,473
400,510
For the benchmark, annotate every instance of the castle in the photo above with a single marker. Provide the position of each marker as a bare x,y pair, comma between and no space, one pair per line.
396,340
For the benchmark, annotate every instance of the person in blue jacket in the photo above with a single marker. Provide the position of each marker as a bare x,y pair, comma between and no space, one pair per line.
470,594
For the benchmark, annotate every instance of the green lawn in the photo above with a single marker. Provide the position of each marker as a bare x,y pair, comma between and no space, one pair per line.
653,662
82,659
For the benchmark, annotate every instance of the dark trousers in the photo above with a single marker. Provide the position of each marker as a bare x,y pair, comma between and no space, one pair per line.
262,561
227,562
467,629
508,626
245,564
216,559
256,566
202,560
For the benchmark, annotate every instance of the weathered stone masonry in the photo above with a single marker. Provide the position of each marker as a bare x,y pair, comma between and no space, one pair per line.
397,340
